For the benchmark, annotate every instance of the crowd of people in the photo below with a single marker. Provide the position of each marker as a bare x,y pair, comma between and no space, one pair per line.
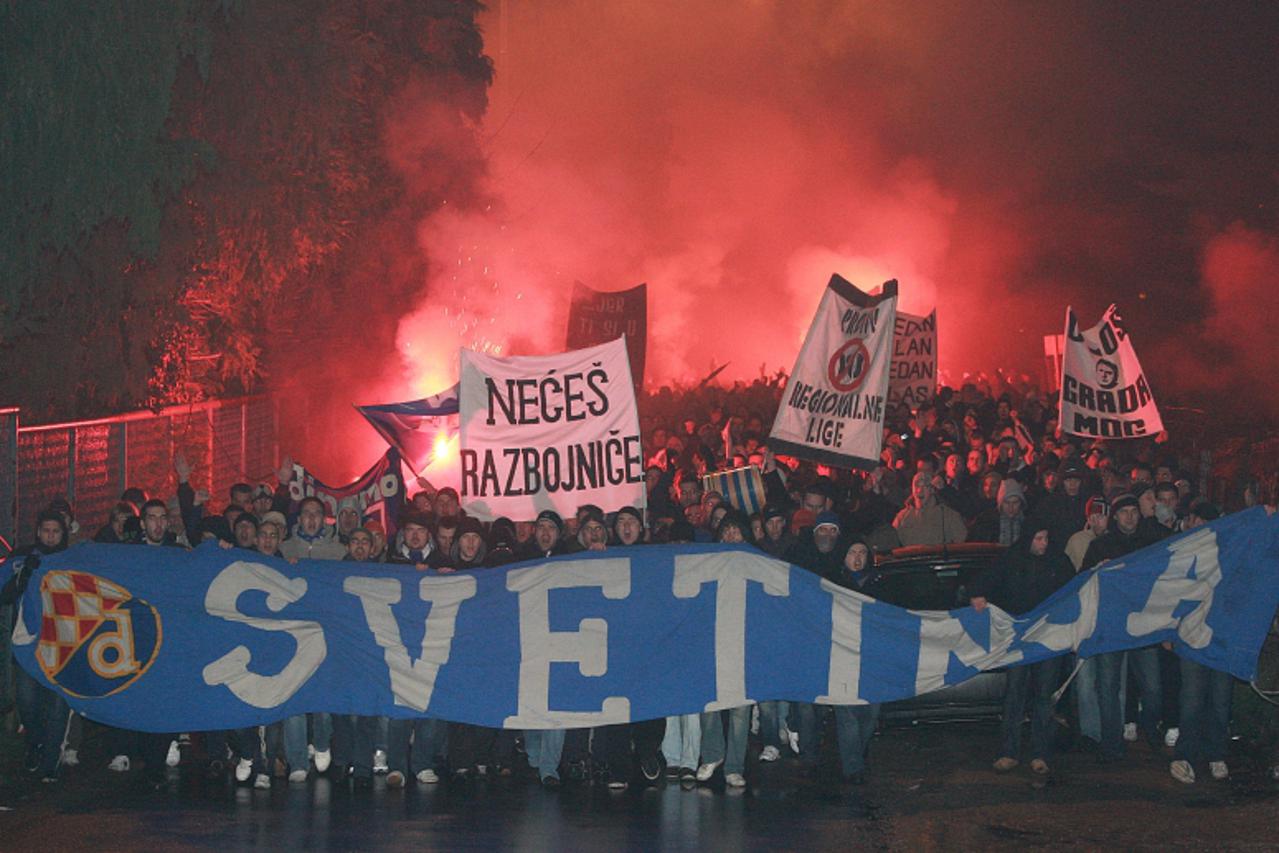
965,467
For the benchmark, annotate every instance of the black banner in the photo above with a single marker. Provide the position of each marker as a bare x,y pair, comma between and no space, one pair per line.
596,317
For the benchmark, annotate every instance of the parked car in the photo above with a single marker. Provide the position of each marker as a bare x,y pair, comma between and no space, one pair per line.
926,577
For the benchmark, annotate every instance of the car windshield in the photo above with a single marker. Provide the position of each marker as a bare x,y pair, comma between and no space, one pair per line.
939,586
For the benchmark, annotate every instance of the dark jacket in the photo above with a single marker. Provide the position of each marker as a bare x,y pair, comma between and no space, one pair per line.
1060,513
805,555
1114,543
1020,581
531,551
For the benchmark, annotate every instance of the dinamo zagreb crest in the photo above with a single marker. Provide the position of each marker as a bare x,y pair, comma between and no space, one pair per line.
95,638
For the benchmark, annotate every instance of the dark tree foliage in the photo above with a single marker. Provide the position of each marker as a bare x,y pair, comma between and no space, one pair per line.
196,189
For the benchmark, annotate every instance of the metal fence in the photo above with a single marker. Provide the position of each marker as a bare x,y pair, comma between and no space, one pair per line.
92,462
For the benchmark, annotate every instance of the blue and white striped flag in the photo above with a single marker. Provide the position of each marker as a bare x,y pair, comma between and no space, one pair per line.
742,488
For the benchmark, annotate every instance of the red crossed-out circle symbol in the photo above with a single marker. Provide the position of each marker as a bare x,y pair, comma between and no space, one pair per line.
848,366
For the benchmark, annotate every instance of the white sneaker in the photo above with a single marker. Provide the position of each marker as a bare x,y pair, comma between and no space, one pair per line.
706,771
297,776
1130,732
262,782
119,764
427,777
1170,736
70,758
174,756
379,761
793,739
735,780
1182,771
1219,770
769,753
244,769
323,758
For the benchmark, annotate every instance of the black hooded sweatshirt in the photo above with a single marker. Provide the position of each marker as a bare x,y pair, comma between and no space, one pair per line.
1020,581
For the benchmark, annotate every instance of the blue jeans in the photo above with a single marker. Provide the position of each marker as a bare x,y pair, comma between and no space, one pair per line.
1034,683
44,716
771,717
296,739
732,751
544,748
1205,712
683,741
430,742
854,727
1143,664
354,739
244,743
1086,700
803,721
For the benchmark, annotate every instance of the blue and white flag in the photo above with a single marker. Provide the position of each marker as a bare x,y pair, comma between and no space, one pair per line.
416,428
743,488
163,640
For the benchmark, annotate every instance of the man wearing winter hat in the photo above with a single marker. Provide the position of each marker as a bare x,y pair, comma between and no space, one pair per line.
1204,699
544,748
43,711
628,527
817,551
545,541
1098,513
417,546
1124,537
925,521
777,540
592,533
1063,509
1002,524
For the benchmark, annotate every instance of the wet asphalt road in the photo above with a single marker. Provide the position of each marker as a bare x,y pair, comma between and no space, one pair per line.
930,789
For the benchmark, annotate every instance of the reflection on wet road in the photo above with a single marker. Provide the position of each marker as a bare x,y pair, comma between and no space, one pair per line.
931,788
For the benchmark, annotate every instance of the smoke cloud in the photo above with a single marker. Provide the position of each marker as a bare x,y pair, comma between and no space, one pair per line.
1000,160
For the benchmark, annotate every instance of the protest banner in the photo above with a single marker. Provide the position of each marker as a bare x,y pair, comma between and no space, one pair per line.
597,317
1104,393
589,639
377,494
833,409
416,427
912,379
549,432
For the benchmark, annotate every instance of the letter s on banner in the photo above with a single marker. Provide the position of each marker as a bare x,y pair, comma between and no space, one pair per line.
232,669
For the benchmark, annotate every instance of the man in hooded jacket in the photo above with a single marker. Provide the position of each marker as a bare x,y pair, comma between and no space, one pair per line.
43,712
1030,571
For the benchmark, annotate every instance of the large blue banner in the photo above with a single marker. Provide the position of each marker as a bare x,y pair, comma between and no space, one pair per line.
164,640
